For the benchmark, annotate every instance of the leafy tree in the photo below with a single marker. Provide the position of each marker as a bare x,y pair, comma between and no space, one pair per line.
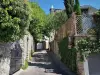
72,3
54,22
14,19
48,25
37,23
69,5
59,19
77,7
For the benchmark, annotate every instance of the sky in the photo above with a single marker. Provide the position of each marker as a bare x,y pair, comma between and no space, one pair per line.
58,4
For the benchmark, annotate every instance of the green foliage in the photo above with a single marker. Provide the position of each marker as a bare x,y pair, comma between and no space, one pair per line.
92,31
86,47
79,24
48,25
69,5
54,22
30,57
77,7
96,17
98,12
14,20
31,53
59,19
25,66
37,23
68,56
72,4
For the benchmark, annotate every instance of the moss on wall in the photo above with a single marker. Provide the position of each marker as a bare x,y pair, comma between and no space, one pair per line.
68,56
25,66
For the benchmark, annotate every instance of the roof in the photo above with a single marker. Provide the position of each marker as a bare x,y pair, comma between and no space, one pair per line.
87,7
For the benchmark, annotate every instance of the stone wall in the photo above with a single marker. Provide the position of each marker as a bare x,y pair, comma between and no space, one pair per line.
27,44
16,58
68,29
13,55
5,56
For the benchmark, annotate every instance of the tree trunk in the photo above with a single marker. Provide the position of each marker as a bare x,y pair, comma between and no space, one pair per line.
5,56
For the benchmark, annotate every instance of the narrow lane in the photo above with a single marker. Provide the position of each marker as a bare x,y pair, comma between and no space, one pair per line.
42,65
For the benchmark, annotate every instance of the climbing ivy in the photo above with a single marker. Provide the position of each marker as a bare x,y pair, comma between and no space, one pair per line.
68,56
96,17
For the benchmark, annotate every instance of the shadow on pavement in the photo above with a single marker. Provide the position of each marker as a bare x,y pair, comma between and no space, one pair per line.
42,60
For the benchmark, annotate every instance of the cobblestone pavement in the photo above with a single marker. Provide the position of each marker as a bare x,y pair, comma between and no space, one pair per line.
42,65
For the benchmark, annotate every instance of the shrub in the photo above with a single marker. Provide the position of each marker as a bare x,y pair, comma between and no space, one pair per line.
86,47
92,31
30,56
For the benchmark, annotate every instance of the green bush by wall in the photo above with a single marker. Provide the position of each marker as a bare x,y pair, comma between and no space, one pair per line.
31,53
25,66
68,56
87,47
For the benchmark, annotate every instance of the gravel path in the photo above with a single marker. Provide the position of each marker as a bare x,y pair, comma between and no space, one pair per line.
42,65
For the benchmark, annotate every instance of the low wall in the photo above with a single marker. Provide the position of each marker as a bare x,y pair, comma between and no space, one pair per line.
5,56
21,52
13,55
27,44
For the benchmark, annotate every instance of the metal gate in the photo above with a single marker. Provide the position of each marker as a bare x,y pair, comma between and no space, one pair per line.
16,58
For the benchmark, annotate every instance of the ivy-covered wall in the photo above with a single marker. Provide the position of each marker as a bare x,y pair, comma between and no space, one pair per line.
68,56
96,18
